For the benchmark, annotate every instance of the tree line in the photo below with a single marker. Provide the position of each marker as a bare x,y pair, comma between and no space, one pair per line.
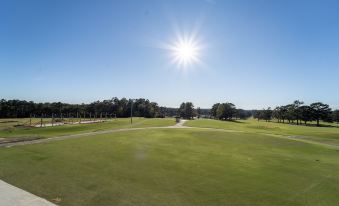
295,113
299,113
228,111
221,111
113,107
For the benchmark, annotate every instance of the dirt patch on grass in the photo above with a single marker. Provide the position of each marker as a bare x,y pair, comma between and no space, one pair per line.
266,127
17,139
8,121
21,126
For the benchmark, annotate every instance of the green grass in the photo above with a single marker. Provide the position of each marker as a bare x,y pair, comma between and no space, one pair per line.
10,131
176,167
328,135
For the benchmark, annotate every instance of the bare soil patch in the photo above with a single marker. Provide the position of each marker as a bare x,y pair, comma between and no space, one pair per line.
17,139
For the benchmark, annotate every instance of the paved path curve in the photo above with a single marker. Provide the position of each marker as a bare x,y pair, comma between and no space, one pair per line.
13,196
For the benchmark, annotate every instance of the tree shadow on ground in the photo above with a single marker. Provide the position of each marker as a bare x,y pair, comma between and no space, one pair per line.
232,120
307,125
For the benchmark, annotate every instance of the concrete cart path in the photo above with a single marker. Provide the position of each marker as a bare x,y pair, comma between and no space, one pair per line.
13,196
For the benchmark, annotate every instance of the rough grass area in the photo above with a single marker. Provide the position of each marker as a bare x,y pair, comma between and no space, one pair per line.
328,135
175,167
10,131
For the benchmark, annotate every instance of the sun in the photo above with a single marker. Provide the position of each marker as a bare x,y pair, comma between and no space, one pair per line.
185,52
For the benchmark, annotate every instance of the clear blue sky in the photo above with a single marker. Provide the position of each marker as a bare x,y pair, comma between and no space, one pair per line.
257,53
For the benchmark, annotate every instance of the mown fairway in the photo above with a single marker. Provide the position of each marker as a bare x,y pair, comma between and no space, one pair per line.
176,167
326,135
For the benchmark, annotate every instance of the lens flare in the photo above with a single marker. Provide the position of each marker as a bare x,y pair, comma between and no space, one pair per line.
185,51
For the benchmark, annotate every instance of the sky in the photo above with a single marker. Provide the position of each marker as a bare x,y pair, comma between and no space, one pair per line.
254,53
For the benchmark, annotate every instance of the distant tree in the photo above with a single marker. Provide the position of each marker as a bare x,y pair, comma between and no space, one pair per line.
220,111
283,113
114,106
320,111
267,114
186,110
167,112
162,112
277,114
290,113
181,110
214,109
124,107
198,112
335,116
205,112
257,114
226,111
242,114
297,112
305,113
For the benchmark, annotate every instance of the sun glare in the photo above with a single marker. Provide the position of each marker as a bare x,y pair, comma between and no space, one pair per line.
185,52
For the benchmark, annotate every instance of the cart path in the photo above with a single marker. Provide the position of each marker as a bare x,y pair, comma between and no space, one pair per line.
13,196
